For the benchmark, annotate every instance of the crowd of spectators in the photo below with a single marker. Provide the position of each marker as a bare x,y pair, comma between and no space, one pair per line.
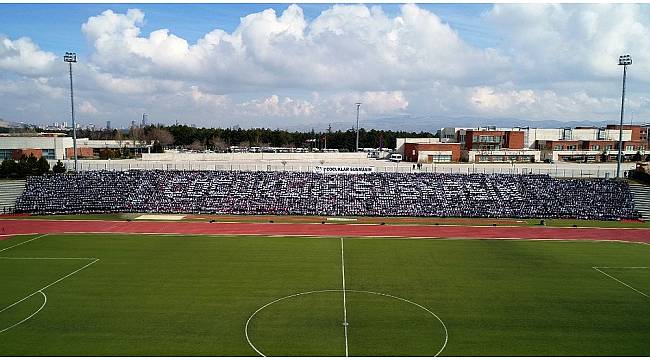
301,193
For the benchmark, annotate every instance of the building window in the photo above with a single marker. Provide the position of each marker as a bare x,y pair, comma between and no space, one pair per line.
629,147
595,147
49,154
557,147
489,139
484,158
608,147
571,147
440,158
6,154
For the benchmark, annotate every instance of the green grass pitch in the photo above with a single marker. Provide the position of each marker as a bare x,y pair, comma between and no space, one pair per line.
193,295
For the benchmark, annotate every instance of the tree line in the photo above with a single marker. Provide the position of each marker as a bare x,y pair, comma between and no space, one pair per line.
28,166
221,139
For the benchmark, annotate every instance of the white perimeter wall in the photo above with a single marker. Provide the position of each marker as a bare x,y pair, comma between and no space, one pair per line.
255,156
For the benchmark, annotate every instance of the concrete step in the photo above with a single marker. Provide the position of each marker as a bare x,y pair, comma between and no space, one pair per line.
641,194
10,190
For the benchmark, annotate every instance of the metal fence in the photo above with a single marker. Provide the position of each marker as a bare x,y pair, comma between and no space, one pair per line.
554,171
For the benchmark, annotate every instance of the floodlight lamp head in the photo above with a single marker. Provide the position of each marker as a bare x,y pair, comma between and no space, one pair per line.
625,60
70,57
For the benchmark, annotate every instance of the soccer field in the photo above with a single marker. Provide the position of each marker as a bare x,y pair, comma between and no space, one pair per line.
114,294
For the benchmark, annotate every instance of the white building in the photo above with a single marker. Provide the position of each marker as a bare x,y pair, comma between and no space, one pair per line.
59,147
399,142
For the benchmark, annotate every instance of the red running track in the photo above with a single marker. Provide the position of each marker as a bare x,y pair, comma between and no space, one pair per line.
462,232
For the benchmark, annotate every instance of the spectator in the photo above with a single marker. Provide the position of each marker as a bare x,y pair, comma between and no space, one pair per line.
299,193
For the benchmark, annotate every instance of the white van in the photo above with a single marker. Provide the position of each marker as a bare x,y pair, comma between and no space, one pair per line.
395,157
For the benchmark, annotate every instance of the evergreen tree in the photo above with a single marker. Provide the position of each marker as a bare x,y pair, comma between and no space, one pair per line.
42,166
59,168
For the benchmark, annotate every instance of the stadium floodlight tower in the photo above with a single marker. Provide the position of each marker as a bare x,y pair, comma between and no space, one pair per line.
70,58
623,60
358,106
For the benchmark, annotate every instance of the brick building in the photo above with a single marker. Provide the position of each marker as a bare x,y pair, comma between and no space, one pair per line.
432,152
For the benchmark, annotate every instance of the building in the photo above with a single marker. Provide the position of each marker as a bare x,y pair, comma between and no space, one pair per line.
523,144
492,145
54,146
400,142
431,152
49,147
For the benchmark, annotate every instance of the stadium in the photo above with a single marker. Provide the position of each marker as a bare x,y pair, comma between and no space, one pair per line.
340,263
523,238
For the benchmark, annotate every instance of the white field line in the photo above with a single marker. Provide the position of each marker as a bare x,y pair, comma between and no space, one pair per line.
619,281
46,258
93,260
48,285
250,318
30,316
26,241
345,308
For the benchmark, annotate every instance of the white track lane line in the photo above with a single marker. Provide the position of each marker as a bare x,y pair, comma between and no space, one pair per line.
619,281
345,309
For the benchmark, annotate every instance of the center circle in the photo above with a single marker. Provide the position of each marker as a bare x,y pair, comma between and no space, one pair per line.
312,324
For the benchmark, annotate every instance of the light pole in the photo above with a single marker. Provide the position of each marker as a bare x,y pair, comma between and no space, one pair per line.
624,60
70,58
358,106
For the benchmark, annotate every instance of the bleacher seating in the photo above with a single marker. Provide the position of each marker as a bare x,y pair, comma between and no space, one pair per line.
299,193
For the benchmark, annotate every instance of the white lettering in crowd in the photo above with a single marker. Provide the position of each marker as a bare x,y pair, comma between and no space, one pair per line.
344,169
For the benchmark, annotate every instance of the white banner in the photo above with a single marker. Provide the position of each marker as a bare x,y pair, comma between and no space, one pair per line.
344,169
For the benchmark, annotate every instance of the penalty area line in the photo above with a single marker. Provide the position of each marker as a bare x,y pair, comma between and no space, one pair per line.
619,281
30,316
24,242
48,285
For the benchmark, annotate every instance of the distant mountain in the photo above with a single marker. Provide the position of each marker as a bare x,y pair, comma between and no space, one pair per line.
8,124
433,123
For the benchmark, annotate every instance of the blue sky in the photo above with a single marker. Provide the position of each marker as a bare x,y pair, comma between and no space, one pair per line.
307,64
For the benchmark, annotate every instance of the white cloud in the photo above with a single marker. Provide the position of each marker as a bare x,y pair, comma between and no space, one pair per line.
344,47
549,61
211,100
273,106
565,42
486,99
23,57
87,108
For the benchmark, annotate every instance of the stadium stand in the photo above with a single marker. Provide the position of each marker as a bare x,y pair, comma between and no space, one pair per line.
10,190
300,193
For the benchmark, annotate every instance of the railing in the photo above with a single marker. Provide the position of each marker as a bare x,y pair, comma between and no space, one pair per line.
404,167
